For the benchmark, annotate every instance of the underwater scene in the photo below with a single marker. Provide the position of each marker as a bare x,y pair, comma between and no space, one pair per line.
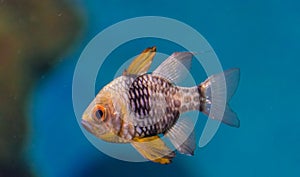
56,55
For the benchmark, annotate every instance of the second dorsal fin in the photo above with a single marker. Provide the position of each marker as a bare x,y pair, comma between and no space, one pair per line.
176,67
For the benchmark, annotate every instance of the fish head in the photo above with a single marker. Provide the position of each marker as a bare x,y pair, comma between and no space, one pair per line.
101,117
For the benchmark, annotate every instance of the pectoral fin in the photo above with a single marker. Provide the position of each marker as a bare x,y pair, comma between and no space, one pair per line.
141,64
154,149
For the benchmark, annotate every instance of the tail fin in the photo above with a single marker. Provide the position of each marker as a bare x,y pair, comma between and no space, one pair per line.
215,93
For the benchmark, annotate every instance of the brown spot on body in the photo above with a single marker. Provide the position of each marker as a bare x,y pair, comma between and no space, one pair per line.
184,108
177,103
196,98
168,100
168,110
187,99
172,91
185,90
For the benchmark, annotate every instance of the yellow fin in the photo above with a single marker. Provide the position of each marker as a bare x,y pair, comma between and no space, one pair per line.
154,149
141,63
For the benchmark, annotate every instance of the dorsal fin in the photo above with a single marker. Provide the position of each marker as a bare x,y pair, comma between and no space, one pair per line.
141,63
176,67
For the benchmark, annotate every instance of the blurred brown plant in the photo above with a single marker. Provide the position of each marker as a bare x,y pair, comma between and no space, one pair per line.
33,35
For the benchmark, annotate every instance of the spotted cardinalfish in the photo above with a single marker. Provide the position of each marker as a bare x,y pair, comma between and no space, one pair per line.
140,107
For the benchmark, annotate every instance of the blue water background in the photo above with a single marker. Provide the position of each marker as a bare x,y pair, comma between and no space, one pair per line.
259,37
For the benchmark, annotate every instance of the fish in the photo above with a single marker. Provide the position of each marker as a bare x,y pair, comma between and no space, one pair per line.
140,107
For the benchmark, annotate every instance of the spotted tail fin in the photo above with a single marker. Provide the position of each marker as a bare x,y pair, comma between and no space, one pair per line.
215,92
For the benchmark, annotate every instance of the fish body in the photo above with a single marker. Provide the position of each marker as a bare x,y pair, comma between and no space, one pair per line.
138,106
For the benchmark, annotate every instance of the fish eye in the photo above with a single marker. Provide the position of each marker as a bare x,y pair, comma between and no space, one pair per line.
99,113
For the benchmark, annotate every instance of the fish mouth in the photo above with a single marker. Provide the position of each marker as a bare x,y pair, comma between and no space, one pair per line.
91,129
86,125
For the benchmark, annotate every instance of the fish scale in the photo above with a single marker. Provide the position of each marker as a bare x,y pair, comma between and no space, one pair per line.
157,118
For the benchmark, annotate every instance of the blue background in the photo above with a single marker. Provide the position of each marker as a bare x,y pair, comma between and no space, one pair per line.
259,37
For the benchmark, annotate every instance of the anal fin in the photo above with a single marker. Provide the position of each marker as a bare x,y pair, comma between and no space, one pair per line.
154,149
